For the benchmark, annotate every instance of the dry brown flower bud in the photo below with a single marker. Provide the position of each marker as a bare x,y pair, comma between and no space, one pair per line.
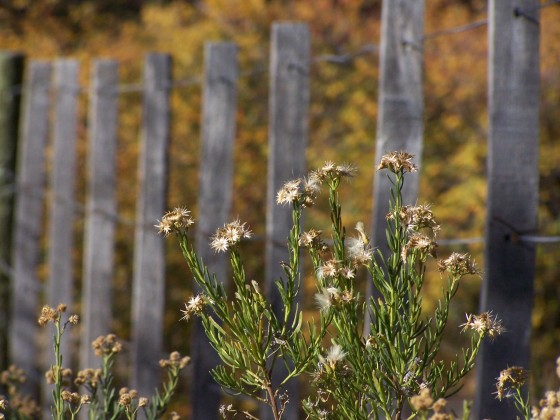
133,393
123,390
177,220
74,319
397,162
143,402
423,401
511,378
48,314
125,400
85,399
174,415
484,324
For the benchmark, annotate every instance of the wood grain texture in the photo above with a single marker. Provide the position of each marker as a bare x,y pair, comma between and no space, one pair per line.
149,258
100,209
513,142
214,203
28,226
288,137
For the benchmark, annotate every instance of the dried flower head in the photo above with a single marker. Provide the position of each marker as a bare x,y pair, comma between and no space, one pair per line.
143,402
13,376
458,265
335,172
511,378
484,324
397,162
423,401
48,314
175,361
420,244
125,399
333,297
177,220
334,356
174,415
88,376
311,239
195,306
301,191
74,319
106,345
229,236
358,248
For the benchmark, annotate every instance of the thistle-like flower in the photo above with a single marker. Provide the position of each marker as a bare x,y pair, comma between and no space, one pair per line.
229,235
359,249
176,221
511,378
195,306
484,324
397,162
421,244
334,356
458,265
106,345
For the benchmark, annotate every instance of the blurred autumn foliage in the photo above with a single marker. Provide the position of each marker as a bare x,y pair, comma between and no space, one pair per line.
342,121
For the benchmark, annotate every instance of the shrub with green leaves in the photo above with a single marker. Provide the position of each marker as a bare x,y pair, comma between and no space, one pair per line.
368,358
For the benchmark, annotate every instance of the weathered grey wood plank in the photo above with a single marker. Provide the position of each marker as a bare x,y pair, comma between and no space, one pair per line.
100,209
60,287
11,78
28,226
401,107
512,194
149,259
288,133
214,202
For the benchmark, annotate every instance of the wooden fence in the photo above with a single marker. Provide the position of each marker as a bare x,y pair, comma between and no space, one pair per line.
511,202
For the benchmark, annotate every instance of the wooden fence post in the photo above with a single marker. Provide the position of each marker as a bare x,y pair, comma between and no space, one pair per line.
401,107
149,259
214,203
513,179
11,78
100,209
28,227
288,132
60,274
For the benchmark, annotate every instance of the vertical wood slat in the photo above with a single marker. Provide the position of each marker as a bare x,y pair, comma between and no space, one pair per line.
288,132
149,261
60,274
100,208
11,77
400,118
513,179
28,225
60,287
214,203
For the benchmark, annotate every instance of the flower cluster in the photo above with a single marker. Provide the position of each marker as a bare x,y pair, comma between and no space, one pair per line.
332,297
175,361
422,245
332,171
510,379
484,324
334,268
359,248
106,345
195,306
302,191
334,356
549,406
130,400
397,162
58,372
312,239
177,220
88,376
229,236
458,265
416,218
